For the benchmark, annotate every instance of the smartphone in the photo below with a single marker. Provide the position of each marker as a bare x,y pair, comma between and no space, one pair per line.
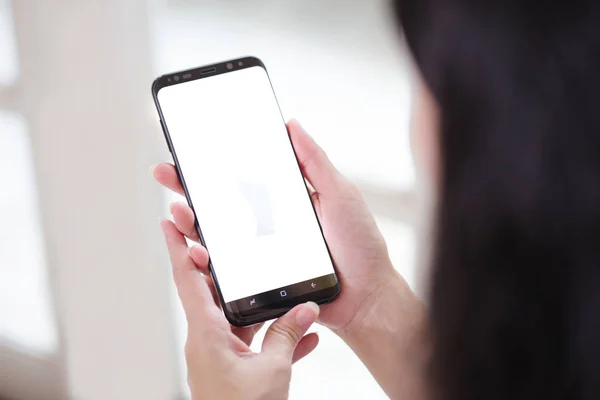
241,177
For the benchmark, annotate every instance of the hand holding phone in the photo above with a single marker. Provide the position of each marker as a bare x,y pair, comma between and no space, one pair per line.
357,246
241,178
219,366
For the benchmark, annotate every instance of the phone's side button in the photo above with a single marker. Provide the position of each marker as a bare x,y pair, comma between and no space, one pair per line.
164,129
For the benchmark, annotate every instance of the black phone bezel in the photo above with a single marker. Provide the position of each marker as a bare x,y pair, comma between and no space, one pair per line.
232,311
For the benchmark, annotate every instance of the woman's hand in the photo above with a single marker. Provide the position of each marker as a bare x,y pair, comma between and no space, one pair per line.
184,221
356,245
220,364
376,313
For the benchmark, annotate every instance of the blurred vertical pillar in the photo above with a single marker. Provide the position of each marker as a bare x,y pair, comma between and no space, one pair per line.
85,82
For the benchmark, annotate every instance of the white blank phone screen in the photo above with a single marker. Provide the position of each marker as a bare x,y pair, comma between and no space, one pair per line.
244,182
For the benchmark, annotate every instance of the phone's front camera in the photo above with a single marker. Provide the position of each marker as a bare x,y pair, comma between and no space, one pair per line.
229,66
176,78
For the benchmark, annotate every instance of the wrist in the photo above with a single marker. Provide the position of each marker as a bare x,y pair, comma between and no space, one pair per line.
383,299
389,335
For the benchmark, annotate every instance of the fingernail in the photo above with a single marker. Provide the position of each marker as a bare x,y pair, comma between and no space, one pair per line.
152,169
307,314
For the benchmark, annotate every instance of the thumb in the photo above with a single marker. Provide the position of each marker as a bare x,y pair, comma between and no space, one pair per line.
315,164
285,333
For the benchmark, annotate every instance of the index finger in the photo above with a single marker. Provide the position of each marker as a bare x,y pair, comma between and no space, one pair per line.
196,297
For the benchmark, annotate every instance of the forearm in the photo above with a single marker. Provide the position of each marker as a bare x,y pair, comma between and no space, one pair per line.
390,338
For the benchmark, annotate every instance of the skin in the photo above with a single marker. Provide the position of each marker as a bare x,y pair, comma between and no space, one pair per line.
376,314
220,364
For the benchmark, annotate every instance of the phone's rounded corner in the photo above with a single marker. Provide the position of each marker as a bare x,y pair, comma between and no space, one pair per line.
234,319
255,62
157,84
338,291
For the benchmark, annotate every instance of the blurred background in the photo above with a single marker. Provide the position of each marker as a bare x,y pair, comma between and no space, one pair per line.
87,307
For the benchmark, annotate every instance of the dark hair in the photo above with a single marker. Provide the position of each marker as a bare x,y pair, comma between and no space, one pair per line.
515,303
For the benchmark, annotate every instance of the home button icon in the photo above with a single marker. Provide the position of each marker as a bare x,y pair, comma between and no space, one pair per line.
283,293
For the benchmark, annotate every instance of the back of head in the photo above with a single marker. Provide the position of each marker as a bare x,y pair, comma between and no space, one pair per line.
515,307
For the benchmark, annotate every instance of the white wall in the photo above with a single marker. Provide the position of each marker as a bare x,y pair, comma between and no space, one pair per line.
84,92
